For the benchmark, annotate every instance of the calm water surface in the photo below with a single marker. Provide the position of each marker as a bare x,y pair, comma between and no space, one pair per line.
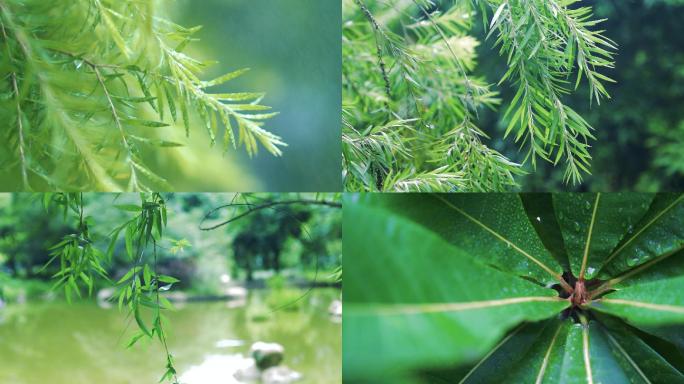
81,343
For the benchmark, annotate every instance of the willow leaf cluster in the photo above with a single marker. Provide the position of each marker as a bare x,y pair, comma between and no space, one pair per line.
90,87
412,101
138,290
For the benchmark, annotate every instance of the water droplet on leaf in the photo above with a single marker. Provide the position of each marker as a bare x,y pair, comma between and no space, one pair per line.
590,272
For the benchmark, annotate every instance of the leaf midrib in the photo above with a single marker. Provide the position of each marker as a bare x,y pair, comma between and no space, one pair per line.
545,362
626,355
502,238
644,228
643,304
588,242
412,309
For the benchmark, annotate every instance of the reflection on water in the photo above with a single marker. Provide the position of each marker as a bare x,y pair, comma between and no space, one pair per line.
58,343
216,369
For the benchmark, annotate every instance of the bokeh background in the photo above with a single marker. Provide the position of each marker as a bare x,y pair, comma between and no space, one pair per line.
640,131
294,50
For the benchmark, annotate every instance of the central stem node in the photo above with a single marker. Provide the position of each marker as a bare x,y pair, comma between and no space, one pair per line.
579,295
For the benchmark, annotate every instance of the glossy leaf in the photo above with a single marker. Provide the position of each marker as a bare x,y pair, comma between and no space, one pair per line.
659,232
446,305
655,303
420,268
494,227
593,224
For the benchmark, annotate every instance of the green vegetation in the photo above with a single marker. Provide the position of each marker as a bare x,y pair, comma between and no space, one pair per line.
143,248
91,85
412,100
640,127
475,288
437,122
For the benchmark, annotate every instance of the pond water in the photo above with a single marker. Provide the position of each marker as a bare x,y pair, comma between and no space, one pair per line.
81,343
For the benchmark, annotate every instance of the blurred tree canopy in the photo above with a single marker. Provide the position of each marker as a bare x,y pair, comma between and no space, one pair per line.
640,130
300,237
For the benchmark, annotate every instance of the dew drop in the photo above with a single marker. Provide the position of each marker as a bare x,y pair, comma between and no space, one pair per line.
632,261
577,226
587,205
539,219
590,272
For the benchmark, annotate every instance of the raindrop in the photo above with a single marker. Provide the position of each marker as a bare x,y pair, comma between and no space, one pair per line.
587,205
632,261
539,219
577,226
658,248
630,229
590,271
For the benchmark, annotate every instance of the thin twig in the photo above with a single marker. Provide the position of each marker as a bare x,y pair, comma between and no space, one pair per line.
381,61
20,123
253,208
134,177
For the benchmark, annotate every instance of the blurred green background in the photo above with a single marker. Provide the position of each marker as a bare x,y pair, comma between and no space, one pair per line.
640,131
294,50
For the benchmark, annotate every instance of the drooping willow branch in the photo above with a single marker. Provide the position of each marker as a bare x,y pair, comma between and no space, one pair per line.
428,58
94,88
140,286
423,137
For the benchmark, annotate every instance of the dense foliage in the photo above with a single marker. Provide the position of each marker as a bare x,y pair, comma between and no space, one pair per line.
90,86
412,101
489,288
640,127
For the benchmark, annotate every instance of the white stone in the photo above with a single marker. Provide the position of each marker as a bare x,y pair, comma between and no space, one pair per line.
267,355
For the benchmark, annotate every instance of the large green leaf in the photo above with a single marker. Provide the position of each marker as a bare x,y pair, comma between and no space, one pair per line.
523,356
638,359
653,303
412,300
654,272
660,232
493,227
443,310
539,208
594,223
557,351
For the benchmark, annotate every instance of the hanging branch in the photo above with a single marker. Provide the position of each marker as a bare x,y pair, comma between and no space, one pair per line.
77,69
140,286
